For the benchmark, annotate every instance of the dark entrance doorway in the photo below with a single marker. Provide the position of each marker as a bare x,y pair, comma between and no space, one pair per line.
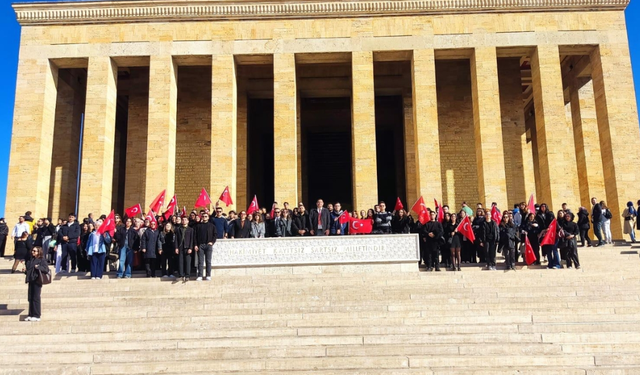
260,171
390,149
326,151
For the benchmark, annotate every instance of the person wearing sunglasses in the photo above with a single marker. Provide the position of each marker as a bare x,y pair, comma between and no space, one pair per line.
35,265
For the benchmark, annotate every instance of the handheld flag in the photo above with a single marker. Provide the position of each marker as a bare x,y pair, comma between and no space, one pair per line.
253,207
550,236
424,217
184,212
399,206
203,199
465,228
360,226
439,211
133,211
531,205
495,214
419,206
108,225
151,216
157,203
344,218
529,255
273,210
171,208
226,196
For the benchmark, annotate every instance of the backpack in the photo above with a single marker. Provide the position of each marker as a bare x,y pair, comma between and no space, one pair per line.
608,214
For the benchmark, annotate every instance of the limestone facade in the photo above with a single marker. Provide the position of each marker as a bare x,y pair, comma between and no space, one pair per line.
483,112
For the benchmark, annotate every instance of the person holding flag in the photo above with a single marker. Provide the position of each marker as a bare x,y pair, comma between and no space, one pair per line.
432,232
532,230
571,230
126,237
468,237
544,218
97,244
337,225
454,240
401,222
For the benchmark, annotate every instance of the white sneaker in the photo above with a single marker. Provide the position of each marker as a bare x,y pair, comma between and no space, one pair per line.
35,319
93,278
98,278
199,278
27,319
208,278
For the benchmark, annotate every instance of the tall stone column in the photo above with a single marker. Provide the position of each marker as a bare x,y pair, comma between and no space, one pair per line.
556,156
617,117
425,124
224,132
285,129
242,150
485,91
161,132
363,132
96,177
137,129
409,150
587,142
31,146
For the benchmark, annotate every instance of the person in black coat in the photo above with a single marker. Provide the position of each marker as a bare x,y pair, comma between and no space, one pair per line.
68,239
417,228
205,236
479,250
584,226
149,245
4,233
597,218
184,248
35,265
166,239
571,230
432,232
241,227
491,237
319,220
508,238
127,238
300,224
401,222
532,231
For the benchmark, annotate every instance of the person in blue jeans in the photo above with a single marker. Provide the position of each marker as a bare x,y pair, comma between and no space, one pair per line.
127,238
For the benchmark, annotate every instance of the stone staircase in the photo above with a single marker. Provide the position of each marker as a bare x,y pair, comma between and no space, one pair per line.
334,320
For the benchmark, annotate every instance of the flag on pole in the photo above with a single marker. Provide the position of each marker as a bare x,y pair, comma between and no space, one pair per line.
531,205
495,214
171,208
226,196
529,255
424,217
253,207
273,210
439,211
465,228
550,236
108,225
157,203
133,211
203,199
184,212
419,206
151,216
345,217
399,206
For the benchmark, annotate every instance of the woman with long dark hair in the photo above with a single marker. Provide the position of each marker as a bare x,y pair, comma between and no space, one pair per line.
508,238
35,265
166,239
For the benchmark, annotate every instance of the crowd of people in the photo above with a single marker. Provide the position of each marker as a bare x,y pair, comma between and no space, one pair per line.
181,244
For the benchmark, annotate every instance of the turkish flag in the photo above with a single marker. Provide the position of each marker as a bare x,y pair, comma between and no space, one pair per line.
253,207
550,236
399,206
495,214
439,210
424,217
529,255
532,206
226,196
108,225
171,208
203,199
184,212
151,216
419,206
360,226
273,210
465,228
345,217
133,211
157,203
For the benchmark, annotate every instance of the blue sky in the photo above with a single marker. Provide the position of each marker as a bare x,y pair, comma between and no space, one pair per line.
8,66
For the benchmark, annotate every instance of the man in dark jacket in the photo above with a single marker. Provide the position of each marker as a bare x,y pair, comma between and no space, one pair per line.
184,248
300,223
597,218
320,220
491,237
241,227
432,231
205,236
68,238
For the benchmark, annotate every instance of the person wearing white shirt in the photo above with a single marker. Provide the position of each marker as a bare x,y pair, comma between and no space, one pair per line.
20,228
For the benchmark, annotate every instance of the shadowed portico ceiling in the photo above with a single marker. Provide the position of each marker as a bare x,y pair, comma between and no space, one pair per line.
91,12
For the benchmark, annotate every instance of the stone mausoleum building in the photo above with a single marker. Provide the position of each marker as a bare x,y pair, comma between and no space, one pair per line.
351,101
